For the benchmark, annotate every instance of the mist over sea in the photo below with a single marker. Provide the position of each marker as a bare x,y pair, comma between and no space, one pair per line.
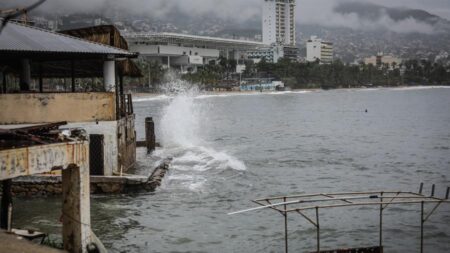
229,149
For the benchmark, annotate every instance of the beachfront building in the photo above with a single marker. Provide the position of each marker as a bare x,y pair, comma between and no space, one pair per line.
261,84
269,54
278,22
187,52
51,77
381,60
272,53
319,50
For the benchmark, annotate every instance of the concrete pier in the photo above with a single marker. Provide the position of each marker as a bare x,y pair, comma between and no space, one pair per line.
51,185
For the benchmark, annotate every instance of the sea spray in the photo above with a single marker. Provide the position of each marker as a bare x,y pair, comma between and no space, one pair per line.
180,123
182,131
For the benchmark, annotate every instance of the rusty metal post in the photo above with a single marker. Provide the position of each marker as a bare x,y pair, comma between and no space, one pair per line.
381,223
150,134
5,204
286,246
318,229
421,226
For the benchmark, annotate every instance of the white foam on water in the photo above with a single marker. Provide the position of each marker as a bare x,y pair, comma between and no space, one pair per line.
420,88
233,94
151,98
182,127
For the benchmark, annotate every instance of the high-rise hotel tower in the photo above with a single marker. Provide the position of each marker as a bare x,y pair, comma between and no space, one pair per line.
278,21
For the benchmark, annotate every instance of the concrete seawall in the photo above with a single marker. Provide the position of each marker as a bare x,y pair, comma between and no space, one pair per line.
51,185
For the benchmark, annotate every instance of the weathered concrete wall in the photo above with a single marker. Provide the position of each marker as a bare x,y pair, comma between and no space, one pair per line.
126,143
110,146
53,107
43,158
51,185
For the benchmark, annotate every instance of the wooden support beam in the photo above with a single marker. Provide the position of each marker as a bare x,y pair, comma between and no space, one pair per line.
41,82
25,75
120,83
76,209
4,81
6,202
72,75
150,134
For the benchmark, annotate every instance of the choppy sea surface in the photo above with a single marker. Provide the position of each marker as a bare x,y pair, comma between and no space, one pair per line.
229,149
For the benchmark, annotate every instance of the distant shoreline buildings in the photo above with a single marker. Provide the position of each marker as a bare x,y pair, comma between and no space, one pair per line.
319,50
381,60
278,22
278,32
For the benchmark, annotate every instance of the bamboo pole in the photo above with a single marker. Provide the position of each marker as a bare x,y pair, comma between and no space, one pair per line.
318,229
381,222
285,228
421,226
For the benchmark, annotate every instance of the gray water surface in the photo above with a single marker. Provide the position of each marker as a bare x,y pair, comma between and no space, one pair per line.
231,149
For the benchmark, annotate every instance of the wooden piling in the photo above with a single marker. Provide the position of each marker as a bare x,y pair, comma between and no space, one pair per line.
150,134
76,209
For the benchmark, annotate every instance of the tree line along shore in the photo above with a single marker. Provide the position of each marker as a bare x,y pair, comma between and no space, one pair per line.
310,75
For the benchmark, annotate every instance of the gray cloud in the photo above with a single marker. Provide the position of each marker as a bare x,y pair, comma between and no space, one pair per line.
322,12
308,11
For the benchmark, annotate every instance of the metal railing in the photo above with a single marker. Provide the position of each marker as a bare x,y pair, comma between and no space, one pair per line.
300,203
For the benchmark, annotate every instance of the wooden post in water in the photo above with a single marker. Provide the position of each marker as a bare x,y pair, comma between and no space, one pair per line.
150,134
6,203
76,209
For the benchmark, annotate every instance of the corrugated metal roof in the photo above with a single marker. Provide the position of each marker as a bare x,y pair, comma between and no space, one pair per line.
23,38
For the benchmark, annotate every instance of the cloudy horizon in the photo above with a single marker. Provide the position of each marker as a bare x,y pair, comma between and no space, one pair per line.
308,11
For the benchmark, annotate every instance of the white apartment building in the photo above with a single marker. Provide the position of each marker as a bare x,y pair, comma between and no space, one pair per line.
317,49
278,22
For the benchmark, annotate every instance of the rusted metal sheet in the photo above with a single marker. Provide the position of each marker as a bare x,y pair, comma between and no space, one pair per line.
40,159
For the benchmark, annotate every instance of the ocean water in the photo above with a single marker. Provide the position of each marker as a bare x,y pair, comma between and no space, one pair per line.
229,149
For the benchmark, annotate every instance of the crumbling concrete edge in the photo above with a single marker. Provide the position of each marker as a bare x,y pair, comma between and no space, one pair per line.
51,185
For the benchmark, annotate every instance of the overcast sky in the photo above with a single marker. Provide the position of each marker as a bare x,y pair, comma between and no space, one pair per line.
308,11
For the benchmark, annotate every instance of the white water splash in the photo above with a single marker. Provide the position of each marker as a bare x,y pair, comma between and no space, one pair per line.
183,127
175,88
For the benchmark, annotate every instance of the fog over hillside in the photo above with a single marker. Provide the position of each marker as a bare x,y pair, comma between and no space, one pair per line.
407,28
321,12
